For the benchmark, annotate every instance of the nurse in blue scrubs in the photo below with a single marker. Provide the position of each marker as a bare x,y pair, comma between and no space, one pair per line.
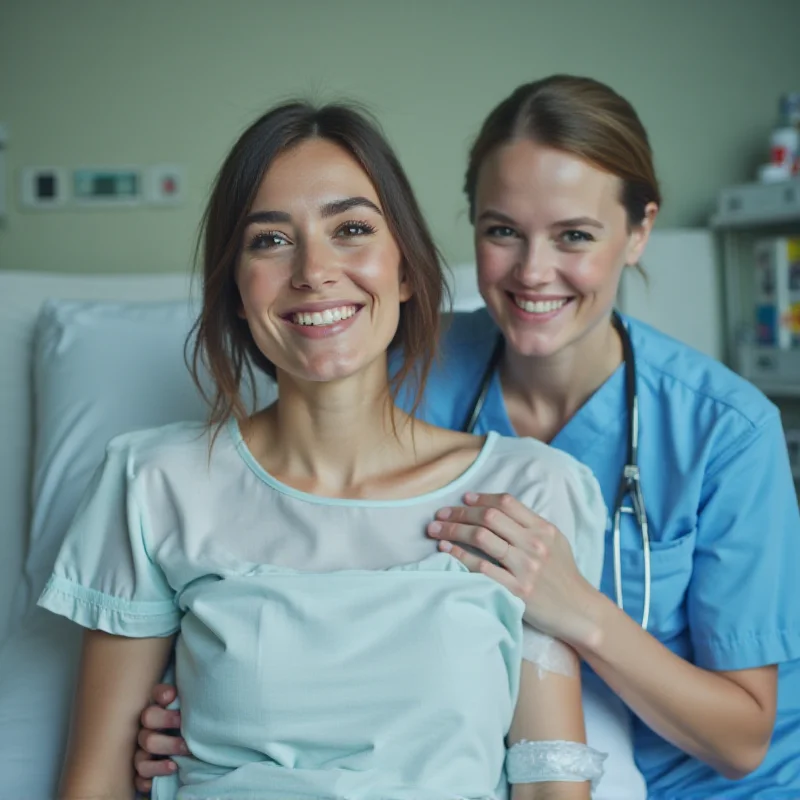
563,195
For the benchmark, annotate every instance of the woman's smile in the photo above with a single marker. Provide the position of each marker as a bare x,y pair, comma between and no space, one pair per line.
329,320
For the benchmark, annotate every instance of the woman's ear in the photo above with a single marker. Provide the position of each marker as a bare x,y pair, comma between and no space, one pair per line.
406,292
640,234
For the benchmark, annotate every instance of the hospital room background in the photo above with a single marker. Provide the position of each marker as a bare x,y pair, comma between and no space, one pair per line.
114,117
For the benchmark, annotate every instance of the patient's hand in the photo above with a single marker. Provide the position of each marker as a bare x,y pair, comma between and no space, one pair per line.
158,737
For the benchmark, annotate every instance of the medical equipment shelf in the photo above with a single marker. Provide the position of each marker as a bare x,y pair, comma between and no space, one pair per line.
754,204
746,214
775,371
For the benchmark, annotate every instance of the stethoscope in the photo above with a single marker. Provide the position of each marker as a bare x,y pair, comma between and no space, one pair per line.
630,486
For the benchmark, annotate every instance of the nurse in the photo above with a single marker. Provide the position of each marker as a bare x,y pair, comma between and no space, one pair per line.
563,195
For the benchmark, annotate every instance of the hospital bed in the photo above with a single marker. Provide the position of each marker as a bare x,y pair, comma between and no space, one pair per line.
83,358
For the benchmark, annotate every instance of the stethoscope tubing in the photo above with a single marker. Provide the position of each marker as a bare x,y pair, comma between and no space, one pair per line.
630,481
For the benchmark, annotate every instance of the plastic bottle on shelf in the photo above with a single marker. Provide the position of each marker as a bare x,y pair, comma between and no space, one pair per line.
784,143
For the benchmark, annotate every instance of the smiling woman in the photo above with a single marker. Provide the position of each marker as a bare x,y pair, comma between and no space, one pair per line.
242,221
311,246
325,648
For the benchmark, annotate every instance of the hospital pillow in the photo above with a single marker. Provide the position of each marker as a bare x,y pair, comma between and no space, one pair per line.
99,369
21,297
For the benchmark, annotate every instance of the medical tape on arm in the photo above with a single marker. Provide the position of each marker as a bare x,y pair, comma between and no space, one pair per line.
548,654
540,762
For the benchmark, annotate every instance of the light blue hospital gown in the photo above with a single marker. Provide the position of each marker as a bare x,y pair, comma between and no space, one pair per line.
326,649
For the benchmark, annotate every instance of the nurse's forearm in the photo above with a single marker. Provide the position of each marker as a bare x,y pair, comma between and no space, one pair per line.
709,715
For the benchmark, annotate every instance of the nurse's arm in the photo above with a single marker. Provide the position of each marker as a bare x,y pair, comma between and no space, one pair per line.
723,718
115,679
549,709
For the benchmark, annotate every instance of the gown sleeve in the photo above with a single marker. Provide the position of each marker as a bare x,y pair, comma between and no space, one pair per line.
105,577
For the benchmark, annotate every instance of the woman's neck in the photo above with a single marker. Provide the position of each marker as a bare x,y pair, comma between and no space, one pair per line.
330,438
543,394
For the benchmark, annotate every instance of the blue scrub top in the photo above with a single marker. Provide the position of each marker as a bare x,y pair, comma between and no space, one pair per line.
724,525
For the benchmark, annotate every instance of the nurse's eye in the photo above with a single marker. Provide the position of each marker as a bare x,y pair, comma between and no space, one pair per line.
575,237
267,240
500,232
354,229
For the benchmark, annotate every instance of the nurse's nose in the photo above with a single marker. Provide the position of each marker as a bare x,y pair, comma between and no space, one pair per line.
314,265
536,265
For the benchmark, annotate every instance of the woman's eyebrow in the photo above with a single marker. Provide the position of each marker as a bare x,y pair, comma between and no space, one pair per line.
326,210
490,214
577,222
267,216
345,204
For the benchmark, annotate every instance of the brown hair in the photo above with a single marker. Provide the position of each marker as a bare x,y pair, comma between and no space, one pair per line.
223,344
579,116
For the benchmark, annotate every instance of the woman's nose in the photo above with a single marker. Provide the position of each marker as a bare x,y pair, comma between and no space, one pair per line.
536,264
314,266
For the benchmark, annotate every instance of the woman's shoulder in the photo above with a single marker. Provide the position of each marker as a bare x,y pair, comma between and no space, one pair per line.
691,381
560,489
526,463
177,443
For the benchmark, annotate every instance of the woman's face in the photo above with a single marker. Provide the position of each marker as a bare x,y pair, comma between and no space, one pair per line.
552,238
320,274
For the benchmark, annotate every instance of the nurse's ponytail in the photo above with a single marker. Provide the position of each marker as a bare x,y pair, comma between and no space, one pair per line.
579,116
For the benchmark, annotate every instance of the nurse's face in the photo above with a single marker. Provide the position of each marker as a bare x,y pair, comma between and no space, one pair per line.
552,238
319,275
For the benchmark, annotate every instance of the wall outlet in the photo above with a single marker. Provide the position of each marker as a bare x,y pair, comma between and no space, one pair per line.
165,185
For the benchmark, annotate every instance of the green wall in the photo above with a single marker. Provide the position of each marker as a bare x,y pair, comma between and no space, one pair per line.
105,82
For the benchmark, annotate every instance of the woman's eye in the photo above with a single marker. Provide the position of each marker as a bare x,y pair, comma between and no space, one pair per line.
500,232
267,240
350,230
576,237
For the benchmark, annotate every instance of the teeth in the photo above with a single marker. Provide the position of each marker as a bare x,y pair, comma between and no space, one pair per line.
540,306
326,317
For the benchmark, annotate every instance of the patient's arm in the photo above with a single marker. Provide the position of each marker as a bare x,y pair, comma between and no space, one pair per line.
549,709
116,675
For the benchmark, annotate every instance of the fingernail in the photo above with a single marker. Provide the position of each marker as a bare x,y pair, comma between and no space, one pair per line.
172,766
444,513
446,546
470,497
434,527
184,748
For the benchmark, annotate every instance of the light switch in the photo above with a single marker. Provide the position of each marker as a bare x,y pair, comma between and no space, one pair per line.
43,187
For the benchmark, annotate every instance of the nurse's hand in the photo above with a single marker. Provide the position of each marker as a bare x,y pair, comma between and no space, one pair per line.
158,737
527,555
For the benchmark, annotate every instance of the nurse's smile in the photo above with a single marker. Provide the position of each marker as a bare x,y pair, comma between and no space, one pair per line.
539,308
552,239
